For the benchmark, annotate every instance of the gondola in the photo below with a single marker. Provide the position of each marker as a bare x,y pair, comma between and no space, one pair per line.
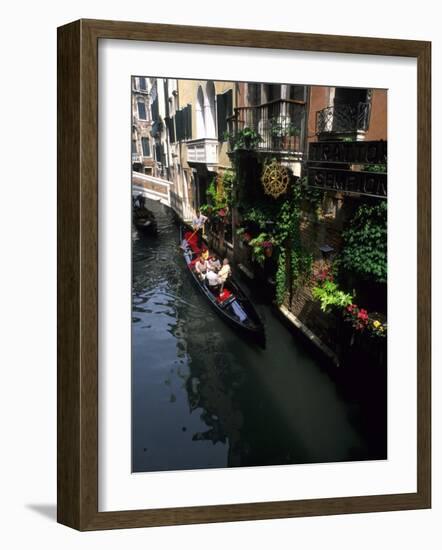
233,305
144,219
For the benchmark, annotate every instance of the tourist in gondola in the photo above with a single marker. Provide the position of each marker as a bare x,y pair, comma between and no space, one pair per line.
212,279
214,264
201,267
224,273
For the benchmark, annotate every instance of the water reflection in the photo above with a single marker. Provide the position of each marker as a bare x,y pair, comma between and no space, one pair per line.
201,397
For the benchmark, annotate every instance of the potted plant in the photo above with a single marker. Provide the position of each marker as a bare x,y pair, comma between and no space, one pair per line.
247,139
284,133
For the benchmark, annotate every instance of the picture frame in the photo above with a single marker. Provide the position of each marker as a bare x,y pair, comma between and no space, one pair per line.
77,224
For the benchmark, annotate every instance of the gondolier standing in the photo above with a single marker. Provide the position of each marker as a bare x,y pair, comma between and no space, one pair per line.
198,226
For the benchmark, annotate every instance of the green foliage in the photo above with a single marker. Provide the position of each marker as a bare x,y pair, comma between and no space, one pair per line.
258,248
205,209
219,194
293,261
246,138
365,243
312,195
281,278
283,126
379,168
330,296
211,191
301,263
228,180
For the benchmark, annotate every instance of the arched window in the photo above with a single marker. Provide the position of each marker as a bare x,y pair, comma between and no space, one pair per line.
210,110
200,114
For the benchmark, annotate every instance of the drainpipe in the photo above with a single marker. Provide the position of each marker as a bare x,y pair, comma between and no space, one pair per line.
306,122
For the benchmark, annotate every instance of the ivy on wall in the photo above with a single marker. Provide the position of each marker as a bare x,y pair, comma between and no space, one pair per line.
293,260
365,243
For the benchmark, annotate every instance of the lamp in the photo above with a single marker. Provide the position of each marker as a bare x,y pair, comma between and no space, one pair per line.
326,251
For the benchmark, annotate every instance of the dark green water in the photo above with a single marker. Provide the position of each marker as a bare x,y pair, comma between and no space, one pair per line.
203,398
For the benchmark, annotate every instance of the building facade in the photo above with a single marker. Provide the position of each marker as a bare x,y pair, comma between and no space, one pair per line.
142,152
252,156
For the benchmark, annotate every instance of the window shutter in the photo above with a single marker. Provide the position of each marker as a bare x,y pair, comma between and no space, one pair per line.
158,152
189,121
179,125
141,110
229,103
146,146
221,115
224,109
155,109
171,126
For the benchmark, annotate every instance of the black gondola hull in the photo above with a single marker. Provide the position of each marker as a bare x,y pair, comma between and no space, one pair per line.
251,327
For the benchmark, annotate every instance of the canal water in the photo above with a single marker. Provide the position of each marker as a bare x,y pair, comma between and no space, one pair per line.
204,398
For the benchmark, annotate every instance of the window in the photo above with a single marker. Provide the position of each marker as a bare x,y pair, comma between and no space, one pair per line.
297,92
224,108
141,110
183,121
273,92
142,83
146,146
253,93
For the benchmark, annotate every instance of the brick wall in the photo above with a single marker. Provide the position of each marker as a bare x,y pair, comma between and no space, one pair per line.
316,231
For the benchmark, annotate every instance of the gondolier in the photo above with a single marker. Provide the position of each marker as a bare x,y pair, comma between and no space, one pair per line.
198,226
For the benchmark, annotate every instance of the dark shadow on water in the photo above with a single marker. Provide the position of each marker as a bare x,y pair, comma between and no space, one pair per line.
49,511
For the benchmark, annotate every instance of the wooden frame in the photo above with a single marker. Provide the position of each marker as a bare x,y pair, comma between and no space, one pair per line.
78,274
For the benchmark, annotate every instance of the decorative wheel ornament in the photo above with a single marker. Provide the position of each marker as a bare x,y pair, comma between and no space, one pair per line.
275,179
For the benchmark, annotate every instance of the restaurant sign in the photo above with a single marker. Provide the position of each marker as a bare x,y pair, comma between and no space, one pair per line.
352,152
373,184
343,166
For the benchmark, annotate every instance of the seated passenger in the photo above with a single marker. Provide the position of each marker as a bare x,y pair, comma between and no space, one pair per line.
224,273
212,279
205,254
201,267
214,264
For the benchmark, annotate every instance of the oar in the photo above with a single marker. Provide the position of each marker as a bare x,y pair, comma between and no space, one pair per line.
188,238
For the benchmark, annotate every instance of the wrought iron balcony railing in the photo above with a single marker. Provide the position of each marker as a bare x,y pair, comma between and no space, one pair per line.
277,126
343,119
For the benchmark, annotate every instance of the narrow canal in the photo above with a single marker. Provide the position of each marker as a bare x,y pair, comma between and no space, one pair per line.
203,398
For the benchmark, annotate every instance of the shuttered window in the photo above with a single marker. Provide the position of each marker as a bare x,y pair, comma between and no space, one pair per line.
183,123
142,83
170,122
158,151
146,146
297,92
141,110
179,125
224,110
188,130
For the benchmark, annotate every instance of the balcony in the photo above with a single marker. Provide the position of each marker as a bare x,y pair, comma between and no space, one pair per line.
276,127
347,119
203,151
